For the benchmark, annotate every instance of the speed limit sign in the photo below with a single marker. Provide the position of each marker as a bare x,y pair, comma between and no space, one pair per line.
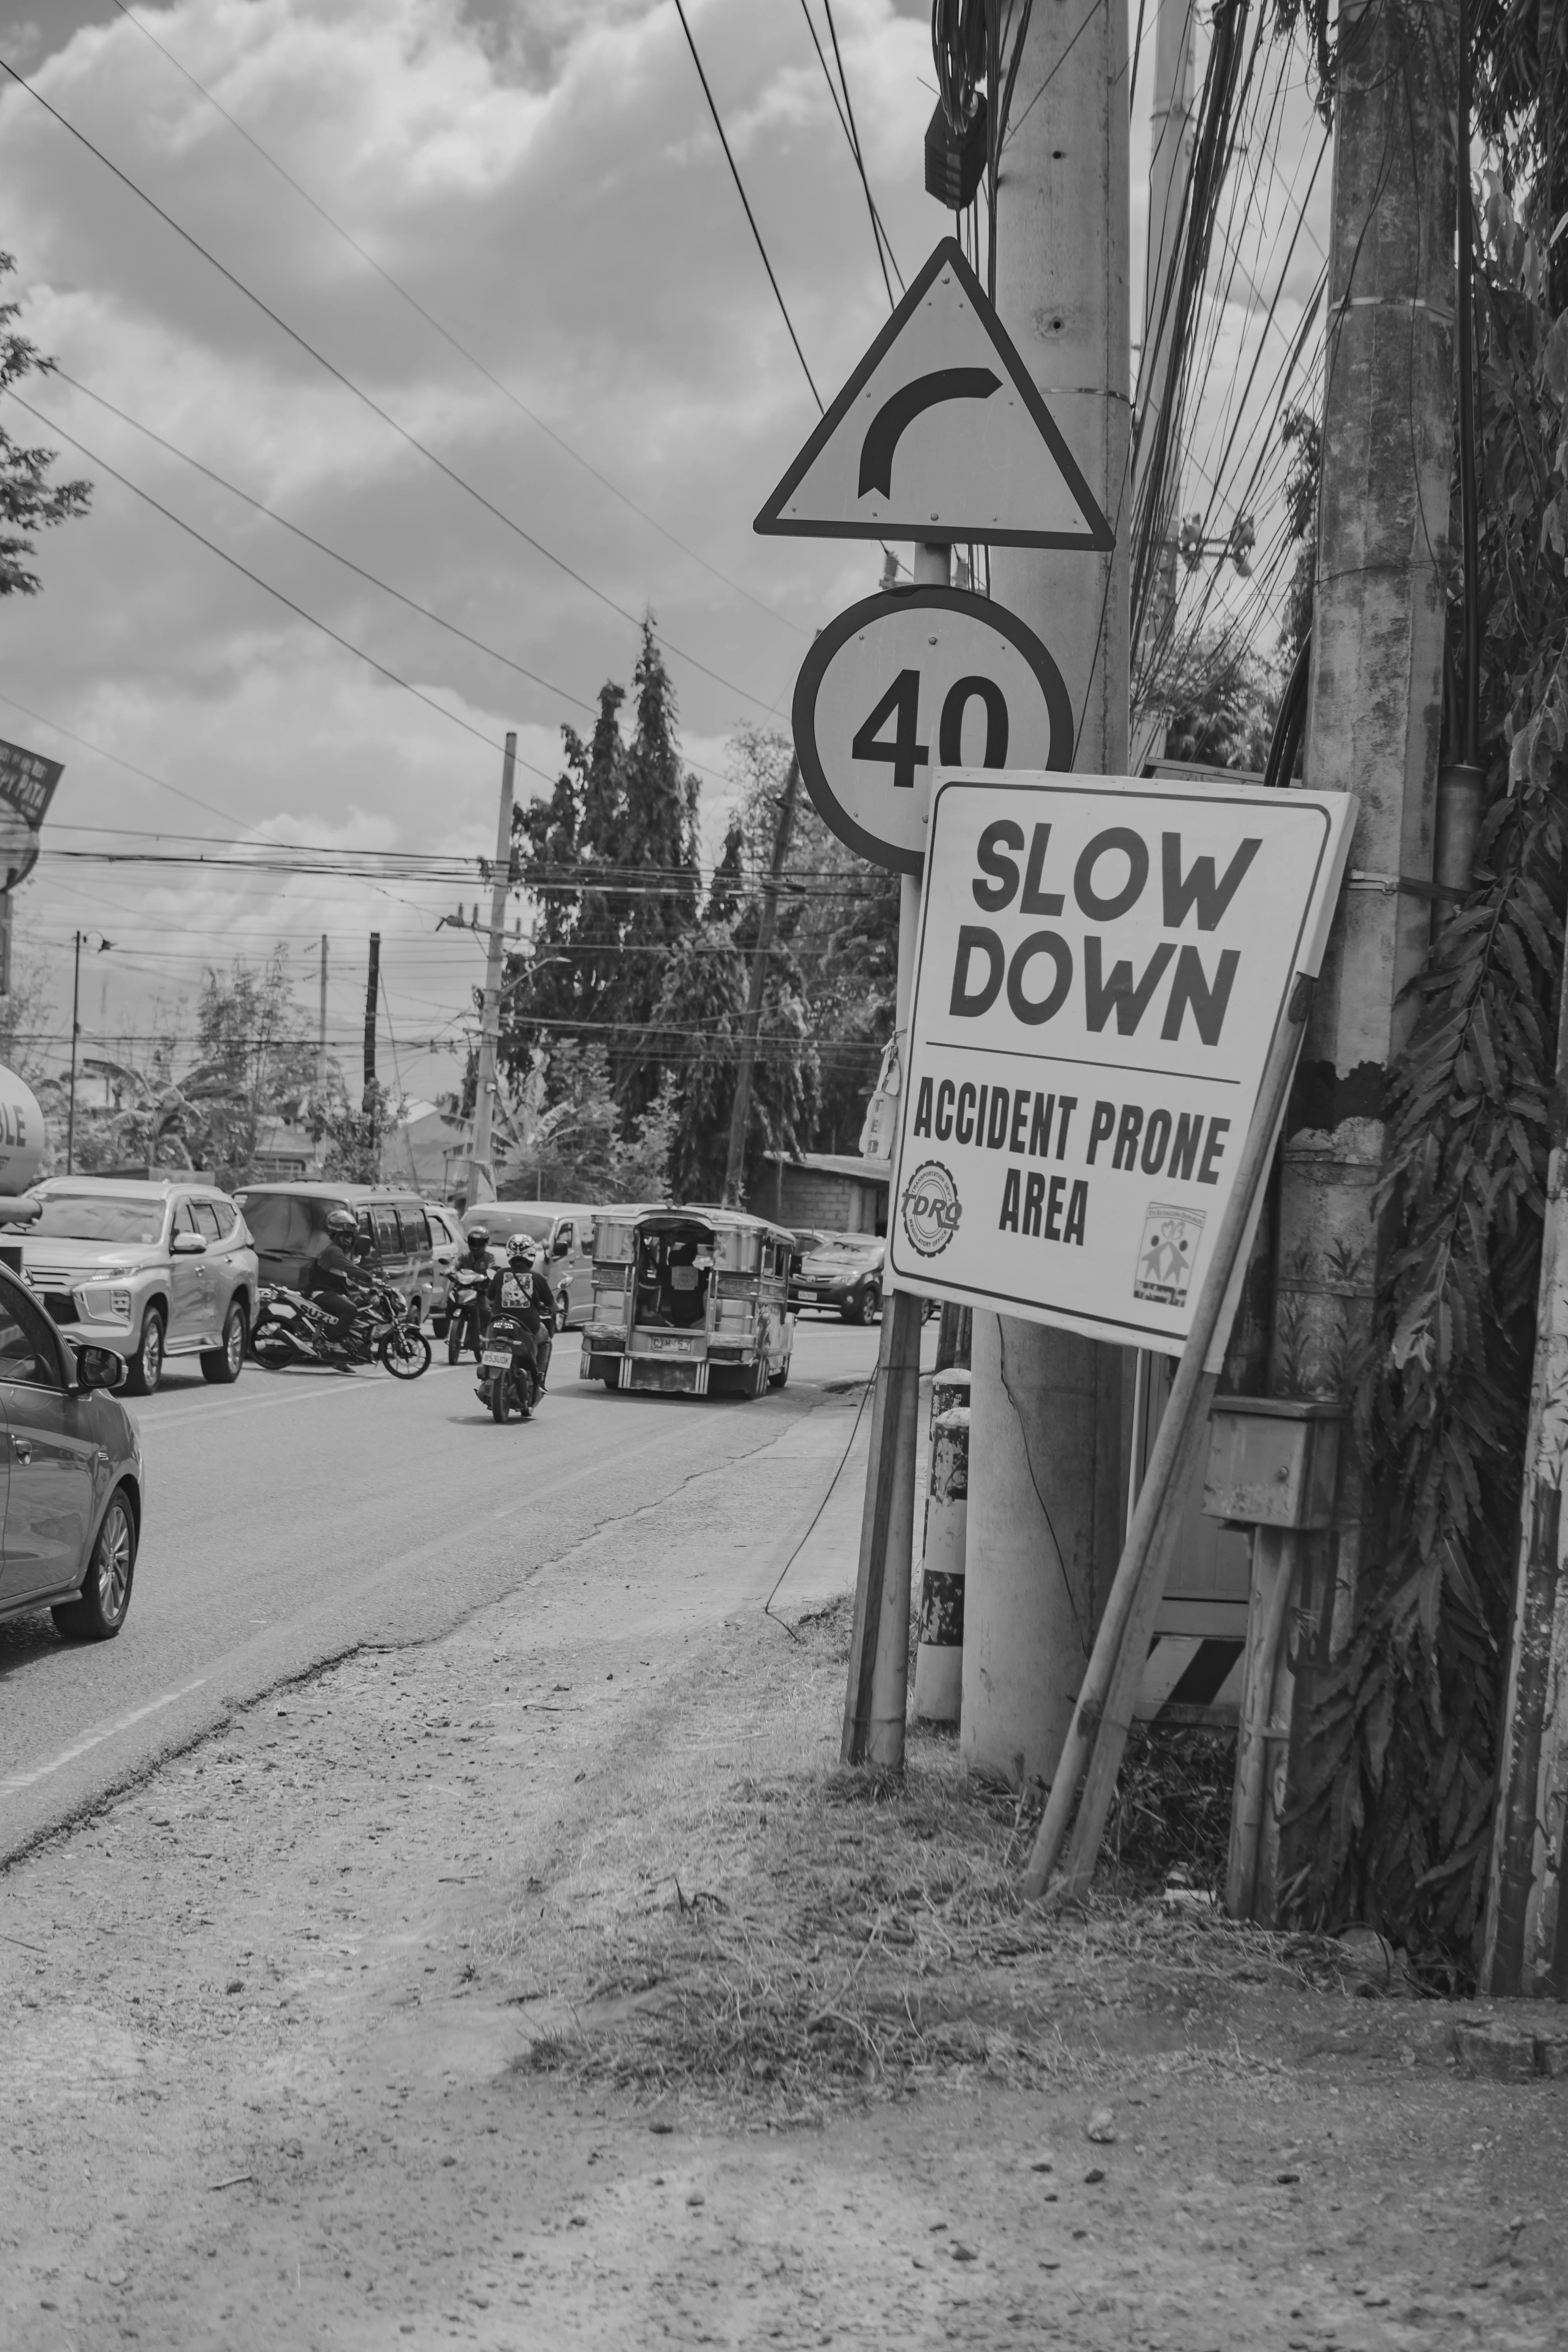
909,681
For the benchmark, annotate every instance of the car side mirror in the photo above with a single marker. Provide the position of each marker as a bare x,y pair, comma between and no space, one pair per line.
563,1245
187,1245
99,1367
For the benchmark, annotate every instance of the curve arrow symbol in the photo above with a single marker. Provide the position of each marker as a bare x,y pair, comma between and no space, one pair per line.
912,400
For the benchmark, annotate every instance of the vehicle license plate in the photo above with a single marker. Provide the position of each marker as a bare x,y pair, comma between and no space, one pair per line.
677,1346
496,1359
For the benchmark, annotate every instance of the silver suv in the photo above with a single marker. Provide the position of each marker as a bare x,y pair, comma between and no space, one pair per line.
149,1270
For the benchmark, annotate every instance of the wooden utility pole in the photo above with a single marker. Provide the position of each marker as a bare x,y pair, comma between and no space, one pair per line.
482,1171
321,1028
372,991
1046,1499
740,1109
1373,728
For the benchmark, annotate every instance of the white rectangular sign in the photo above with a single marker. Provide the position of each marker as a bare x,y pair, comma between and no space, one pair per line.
1103,964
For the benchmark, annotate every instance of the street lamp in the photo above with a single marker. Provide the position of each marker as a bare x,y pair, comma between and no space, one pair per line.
100,946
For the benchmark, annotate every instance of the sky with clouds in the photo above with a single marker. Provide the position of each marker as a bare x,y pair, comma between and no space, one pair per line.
542,176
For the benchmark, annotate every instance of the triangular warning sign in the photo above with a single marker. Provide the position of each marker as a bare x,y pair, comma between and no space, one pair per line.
939,434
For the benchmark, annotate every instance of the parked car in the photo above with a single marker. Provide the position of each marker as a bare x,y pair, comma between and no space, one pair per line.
288,1223
148,1270
447,1248
71,1504
564,1231
839,1274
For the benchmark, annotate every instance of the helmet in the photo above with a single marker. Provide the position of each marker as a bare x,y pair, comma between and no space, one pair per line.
342,1224
520,1249
480,1234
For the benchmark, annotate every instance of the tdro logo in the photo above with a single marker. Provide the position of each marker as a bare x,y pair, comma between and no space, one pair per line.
931,1208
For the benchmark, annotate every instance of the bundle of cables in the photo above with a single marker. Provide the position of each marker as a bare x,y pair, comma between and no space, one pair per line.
956,144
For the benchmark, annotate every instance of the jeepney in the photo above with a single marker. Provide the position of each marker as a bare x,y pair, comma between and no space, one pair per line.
689,1299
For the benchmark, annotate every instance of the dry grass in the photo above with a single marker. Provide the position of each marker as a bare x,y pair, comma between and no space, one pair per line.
790,1934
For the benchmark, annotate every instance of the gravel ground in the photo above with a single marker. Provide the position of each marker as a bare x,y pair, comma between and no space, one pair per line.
474,1990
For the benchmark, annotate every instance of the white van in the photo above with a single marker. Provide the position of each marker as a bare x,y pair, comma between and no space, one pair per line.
563,1230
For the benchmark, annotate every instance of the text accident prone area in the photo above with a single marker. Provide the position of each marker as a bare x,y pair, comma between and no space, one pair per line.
1101,970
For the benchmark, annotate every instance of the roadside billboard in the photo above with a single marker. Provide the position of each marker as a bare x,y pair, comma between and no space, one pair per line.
1101,966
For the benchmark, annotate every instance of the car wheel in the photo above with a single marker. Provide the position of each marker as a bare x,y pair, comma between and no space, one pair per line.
147,1363
779,1378
99,1613
223,1363
562,1306
871,1303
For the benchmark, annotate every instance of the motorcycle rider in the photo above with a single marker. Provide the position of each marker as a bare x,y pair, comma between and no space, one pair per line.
521,1289
335,1275
478,1262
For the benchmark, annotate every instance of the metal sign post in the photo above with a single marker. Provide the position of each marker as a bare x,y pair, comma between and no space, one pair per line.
940,436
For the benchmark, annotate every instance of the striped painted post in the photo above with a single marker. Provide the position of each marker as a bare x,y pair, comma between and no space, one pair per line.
939,1659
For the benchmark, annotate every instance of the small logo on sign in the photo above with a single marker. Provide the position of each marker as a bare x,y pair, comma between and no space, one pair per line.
1166,1253
931,1208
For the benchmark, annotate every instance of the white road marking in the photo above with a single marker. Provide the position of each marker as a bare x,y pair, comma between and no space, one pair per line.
18,1781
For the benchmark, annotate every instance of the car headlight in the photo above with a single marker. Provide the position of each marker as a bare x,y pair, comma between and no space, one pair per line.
103,1303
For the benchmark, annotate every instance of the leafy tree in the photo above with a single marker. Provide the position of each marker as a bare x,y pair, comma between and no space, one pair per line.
575,1151
251,1038
612,860
25,1017
1302,434
29,501
1222,700
839,922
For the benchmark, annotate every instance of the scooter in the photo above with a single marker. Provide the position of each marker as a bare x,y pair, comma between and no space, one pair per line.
289,1330
466,1291
508,1370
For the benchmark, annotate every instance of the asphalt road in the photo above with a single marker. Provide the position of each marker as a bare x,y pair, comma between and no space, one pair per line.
296,1516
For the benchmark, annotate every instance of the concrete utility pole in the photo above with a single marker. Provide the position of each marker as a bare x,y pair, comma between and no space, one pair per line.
740,1109
1373,728
1170,169
1046,1493
482,1172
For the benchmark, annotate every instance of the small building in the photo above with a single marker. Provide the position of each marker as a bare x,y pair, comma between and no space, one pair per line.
431,1148
836,1190
284,1152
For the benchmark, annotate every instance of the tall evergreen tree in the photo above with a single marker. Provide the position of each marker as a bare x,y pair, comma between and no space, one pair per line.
612,860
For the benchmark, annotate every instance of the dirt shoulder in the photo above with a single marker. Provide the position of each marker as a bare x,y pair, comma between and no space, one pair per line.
547,1984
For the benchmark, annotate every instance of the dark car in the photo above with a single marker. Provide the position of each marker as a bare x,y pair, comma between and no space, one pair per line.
839,1274
73,1494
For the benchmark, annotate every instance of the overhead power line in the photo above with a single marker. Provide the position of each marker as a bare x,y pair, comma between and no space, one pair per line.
259,507
446,332
331,369
746,202
254,577
129,765
846,123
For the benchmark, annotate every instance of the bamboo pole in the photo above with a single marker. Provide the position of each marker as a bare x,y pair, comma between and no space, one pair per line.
1102,1718
1526,1931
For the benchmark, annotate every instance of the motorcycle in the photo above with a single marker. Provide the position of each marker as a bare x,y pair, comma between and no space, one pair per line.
508,1371
466,1291
289,1330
